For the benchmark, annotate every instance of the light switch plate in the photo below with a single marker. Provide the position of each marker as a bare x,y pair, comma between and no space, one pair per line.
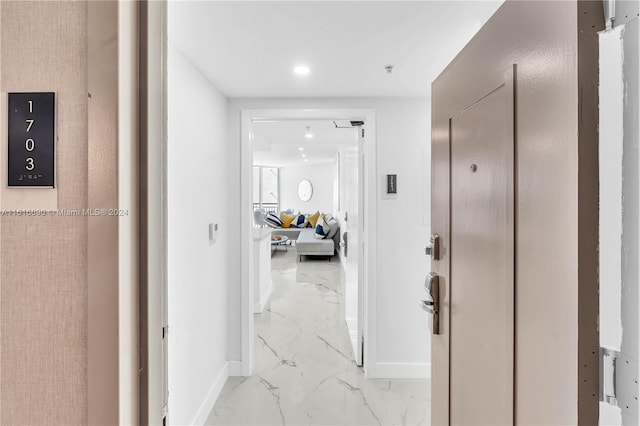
389,182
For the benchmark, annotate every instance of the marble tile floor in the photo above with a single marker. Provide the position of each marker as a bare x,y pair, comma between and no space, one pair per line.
304,373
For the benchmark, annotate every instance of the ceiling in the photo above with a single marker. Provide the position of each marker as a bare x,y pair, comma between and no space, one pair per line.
278,143
249,48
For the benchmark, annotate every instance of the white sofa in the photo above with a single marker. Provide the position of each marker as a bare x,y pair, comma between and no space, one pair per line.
307,244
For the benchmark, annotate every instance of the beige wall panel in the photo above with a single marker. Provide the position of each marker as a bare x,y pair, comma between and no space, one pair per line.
43,264
552,197
102,247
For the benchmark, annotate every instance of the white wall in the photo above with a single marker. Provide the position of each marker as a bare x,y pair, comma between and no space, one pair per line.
321,177
619,195
197,190
610,187
630,290
610,154
632,49
403,137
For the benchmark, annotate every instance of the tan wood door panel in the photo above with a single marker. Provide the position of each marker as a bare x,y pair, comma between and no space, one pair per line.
529,356
482,259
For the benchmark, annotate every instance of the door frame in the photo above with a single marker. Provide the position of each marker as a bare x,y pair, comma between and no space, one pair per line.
369,187
358,347
152,207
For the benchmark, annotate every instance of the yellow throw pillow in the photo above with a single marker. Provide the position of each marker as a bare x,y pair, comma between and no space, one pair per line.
313,219
286,219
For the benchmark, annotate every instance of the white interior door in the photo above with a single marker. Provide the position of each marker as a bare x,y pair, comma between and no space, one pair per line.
354,292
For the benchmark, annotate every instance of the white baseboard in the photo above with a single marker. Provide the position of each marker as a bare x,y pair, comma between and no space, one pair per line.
343,260
259,307
352,327
235,368
401,370
209,401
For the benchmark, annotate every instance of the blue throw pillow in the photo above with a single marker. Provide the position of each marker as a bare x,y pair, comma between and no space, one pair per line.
322,229
298,221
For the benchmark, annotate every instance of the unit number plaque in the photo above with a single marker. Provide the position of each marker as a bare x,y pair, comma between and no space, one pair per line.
31,148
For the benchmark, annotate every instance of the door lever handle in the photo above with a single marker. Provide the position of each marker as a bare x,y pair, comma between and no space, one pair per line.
432,304
426,305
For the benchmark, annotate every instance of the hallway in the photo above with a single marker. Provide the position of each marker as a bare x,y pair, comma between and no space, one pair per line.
304,371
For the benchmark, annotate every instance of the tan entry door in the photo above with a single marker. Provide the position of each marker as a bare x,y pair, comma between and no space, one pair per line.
514,201
482,260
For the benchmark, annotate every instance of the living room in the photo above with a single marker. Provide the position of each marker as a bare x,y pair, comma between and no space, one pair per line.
298,195
297,173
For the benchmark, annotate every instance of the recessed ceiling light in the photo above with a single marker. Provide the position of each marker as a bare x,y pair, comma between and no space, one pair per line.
301,70
304,155
300,149
306,161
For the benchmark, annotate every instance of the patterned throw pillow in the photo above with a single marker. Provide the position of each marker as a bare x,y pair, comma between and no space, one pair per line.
312,220
334,225
322,229
298,221
273,220
286,219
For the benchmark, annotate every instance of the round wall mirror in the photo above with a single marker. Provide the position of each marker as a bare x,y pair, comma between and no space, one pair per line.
305,190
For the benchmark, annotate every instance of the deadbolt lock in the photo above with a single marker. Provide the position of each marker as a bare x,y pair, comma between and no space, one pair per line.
433,249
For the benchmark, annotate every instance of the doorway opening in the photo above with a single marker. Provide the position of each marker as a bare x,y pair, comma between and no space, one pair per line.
359,296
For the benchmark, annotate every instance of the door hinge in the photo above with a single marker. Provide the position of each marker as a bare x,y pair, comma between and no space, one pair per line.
619,381
363,133
165,331
608,359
